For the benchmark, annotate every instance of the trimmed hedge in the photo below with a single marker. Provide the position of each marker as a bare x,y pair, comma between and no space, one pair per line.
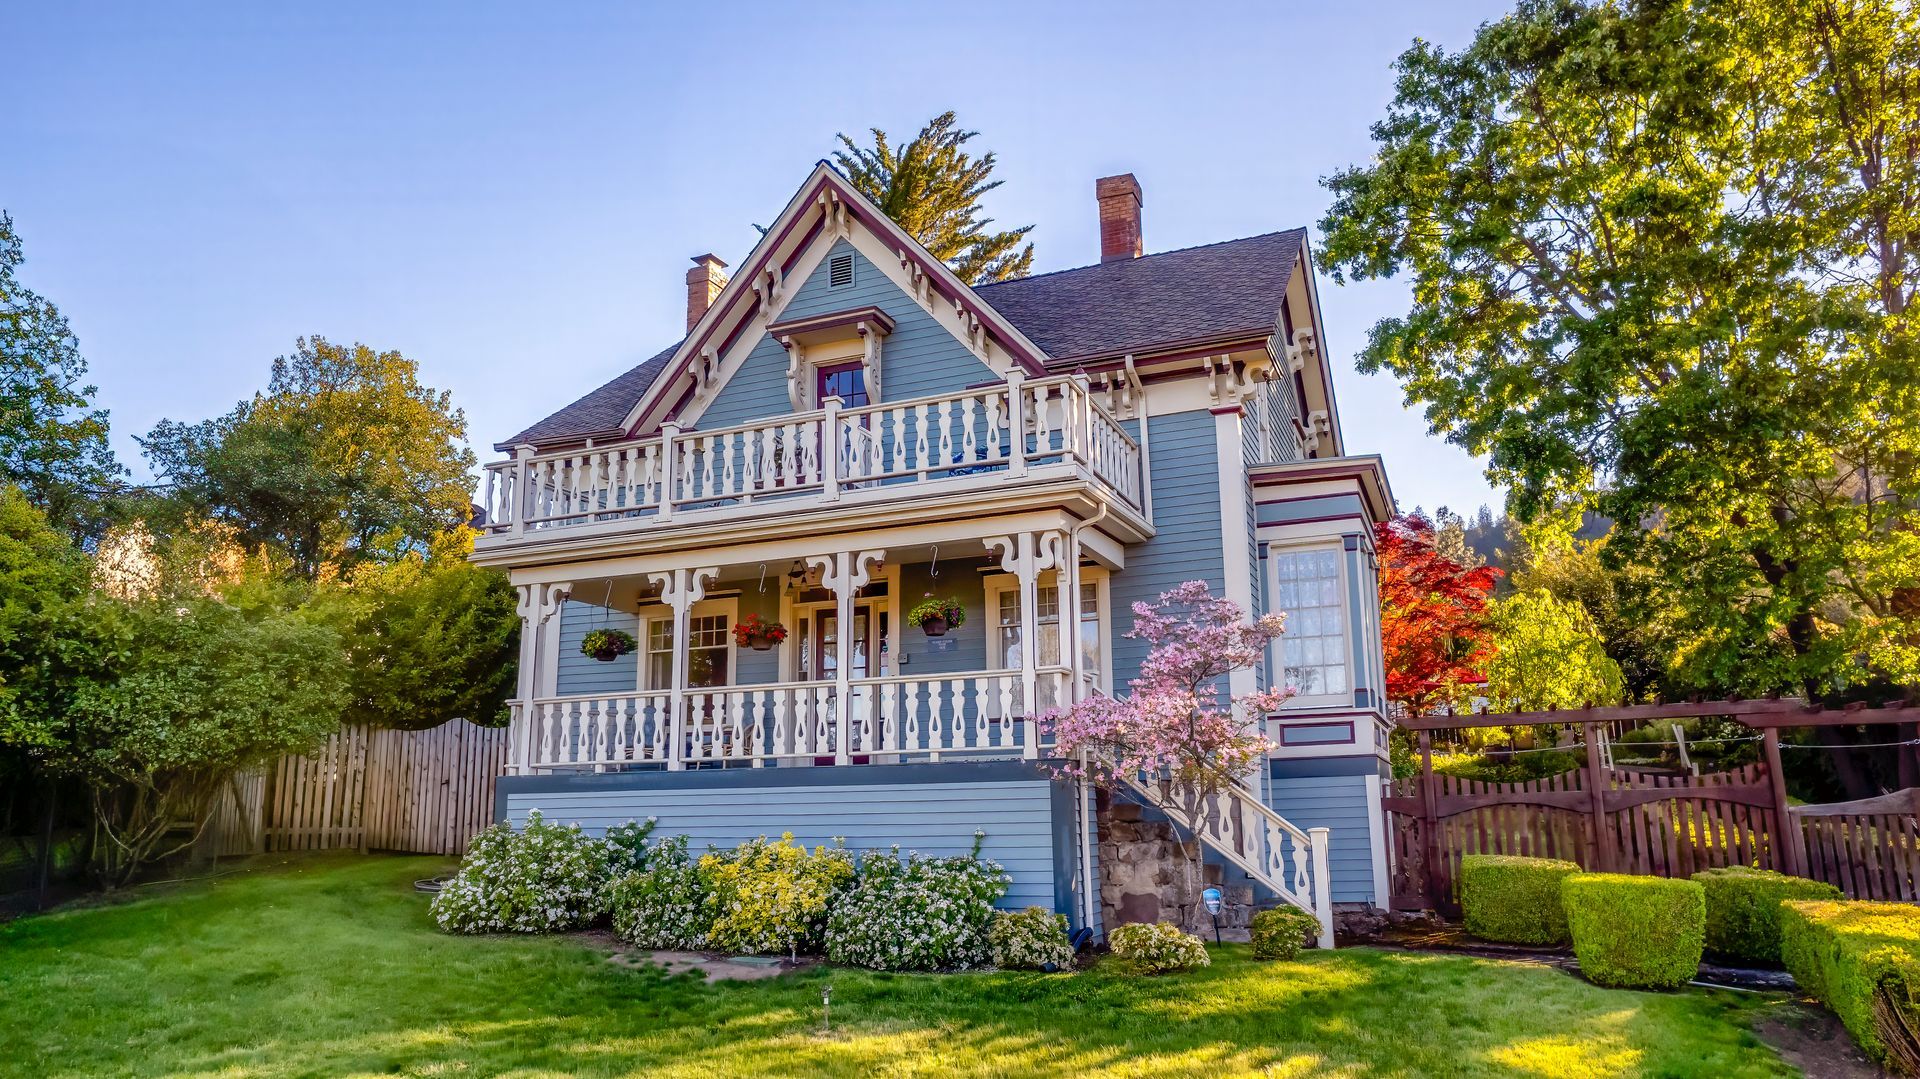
1514,900
1280,933
1636,932
1743,909
1862,960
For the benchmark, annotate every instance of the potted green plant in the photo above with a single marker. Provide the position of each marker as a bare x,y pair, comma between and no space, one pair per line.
757,634
607,645
935,615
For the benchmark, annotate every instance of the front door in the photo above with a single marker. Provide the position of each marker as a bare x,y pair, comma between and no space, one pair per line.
865,656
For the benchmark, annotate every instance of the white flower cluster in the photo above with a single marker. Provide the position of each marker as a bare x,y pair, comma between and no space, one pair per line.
920,913
1158,948
542,878
662,904
1032,939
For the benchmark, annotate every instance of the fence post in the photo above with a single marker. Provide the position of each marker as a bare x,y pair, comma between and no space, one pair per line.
1017,422
1322,886
670,461
1430,825
831,448
1788,848
1597,800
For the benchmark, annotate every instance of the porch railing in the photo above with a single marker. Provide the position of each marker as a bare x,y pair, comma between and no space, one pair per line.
1005,429
887,720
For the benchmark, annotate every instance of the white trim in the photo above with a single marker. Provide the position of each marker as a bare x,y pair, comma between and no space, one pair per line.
1377,841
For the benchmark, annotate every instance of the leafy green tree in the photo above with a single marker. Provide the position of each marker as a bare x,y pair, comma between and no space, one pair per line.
53,443
428,638
345,454
1662,259
1547,654
192,690
1618,600
932,187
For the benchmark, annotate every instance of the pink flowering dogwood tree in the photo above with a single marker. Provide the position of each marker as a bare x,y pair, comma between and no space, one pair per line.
1177,728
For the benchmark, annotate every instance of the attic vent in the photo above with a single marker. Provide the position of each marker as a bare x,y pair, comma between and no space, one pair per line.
840,271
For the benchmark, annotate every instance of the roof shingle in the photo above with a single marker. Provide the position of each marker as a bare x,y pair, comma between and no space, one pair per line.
1109,309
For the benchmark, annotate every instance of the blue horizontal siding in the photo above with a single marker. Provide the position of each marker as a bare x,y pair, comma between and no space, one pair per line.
1339,803
577,673
1186,520
932,818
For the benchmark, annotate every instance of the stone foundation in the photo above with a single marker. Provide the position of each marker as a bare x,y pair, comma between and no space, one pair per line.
1141,869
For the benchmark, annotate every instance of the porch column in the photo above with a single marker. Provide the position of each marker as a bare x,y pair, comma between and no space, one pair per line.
845,574
680,590
1067,577
539,659
1025,558
526,606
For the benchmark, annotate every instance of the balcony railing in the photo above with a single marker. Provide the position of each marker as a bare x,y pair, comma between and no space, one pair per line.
1007,429
886,720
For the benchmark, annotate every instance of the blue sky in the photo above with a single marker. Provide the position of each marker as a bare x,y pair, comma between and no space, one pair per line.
510,194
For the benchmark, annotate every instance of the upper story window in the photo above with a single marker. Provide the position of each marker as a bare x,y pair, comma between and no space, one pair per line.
1313,652
847,381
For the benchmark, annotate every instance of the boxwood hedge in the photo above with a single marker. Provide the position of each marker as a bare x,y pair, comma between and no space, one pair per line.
1743,909
1514,900
1863,961
1635,932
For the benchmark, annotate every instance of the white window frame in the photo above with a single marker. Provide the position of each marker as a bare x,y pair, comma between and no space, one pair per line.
1276,652
792,610
998,584
706,608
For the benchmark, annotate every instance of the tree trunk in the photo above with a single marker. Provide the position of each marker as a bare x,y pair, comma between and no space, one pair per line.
43,873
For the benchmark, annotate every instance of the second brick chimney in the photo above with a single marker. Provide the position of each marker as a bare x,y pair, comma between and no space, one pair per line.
1119,217
704,282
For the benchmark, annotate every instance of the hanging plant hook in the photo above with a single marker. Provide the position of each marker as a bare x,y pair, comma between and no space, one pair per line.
933,571
763,576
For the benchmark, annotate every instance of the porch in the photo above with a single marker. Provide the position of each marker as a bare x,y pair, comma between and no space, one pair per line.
853,681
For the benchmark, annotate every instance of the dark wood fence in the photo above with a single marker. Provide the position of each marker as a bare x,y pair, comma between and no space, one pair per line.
1620,821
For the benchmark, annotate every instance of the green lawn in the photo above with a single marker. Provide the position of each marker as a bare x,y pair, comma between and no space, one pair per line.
328,966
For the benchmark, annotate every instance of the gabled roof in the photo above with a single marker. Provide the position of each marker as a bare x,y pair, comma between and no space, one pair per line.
1195,295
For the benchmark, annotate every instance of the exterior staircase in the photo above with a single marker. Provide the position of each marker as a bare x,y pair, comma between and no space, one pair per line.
1283,858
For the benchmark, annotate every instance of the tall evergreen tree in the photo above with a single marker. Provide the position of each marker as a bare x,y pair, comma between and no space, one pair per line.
53,443
932,187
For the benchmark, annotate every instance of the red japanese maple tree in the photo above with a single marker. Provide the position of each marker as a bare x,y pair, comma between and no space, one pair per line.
1433,615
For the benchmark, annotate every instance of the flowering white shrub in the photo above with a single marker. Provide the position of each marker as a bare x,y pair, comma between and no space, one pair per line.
540,879
1158,948
921,913
1032,939
662,903
772,897
631,838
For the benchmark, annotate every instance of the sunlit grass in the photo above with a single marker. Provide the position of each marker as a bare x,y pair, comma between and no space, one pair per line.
328,966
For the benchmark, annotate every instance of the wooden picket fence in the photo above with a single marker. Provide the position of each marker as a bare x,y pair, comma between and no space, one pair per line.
426,792
1869,849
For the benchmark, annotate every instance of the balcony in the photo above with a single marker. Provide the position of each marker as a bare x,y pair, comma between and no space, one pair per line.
991,440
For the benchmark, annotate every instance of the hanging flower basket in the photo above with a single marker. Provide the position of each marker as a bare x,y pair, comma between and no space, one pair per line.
935,616
607,645
759,635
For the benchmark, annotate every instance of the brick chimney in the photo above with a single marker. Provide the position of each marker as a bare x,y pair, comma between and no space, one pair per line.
1119,217
704,282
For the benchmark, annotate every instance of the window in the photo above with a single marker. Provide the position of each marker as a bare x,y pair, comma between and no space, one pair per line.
1047,619
708,651
1314,648
847,381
